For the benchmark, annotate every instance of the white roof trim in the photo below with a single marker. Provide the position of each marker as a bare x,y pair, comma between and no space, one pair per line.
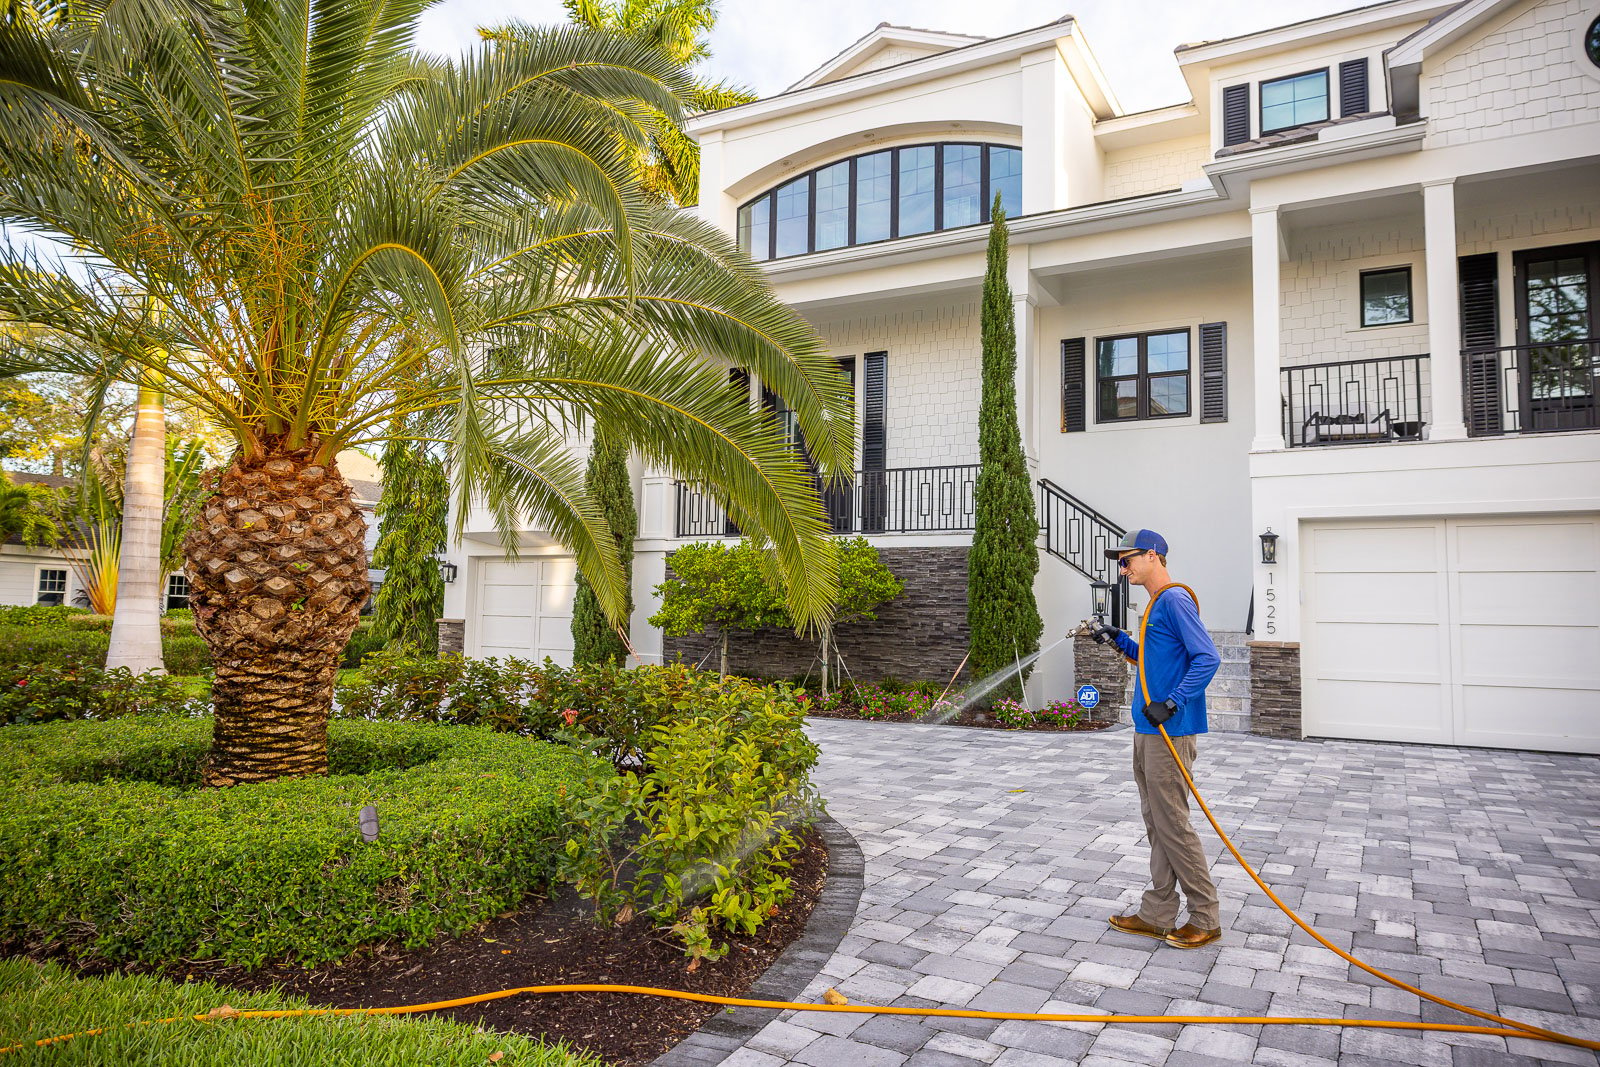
882,34
983,54
1403,62
1274,38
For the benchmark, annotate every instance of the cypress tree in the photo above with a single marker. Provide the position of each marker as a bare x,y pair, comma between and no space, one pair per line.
412,518
1002,614
594,639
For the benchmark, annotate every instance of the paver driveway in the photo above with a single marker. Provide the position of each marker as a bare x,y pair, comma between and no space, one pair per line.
993,860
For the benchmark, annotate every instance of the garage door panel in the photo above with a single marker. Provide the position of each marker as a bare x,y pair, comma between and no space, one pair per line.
1373,596
1381,710
1368,650
1531,655
1523,546
1557,596
1387,549
507,599
1560,720
525,609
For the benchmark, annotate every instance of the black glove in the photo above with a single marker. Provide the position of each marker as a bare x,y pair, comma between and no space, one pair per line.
1160,713
1103,634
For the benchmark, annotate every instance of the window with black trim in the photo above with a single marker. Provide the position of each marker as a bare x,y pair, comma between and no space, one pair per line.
1591,42
177,592
894,192
52,586
1142,376
1385,296
1297,100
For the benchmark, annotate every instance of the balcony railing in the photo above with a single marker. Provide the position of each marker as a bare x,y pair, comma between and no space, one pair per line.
1531,388
901,500
1362,401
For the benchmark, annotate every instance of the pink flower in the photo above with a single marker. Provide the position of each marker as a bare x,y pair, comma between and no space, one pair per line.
570,715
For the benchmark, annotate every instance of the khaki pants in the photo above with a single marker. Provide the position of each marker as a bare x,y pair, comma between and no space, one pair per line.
1176,857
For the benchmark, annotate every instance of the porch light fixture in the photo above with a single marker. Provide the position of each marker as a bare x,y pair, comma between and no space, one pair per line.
1269,546
1102,598
447,571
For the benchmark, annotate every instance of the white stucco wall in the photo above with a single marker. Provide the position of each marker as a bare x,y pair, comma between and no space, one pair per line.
1524,73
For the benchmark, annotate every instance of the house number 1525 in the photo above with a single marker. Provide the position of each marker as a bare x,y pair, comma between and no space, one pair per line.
1272,606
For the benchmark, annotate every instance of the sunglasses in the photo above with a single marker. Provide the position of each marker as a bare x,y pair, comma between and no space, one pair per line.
1122,561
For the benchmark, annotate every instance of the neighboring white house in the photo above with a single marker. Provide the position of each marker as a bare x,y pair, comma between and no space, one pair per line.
1345,294
40,575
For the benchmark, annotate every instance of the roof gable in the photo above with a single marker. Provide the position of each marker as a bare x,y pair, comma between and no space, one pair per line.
884,46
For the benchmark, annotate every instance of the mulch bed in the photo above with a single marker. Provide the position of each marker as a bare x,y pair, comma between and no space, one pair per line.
548,942
972,718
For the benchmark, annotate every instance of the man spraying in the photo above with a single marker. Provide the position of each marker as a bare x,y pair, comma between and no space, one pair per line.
1179,661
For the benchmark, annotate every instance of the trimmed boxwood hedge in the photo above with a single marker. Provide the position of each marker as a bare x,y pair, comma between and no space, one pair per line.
113,852
38,1002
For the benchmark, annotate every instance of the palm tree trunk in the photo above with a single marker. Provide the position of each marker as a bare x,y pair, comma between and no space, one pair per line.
277,569
136,623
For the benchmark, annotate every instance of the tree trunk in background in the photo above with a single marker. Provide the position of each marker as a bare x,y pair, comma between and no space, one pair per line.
278,571
136,623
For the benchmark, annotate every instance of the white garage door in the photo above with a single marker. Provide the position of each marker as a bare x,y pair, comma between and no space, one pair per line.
1454,631
525,609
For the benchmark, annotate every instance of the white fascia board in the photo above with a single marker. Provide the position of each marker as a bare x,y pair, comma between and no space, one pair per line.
882,34
1232,173
911,72
1027,229
1150,127
1403,63
1375,16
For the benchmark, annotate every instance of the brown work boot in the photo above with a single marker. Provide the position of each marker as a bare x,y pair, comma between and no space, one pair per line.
1191,936
1132,924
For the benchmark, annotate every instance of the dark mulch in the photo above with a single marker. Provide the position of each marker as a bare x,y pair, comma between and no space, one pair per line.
980,719
549,942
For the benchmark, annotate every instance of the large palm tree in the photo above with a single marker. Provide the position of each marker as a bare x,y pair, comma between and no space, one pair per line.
327,235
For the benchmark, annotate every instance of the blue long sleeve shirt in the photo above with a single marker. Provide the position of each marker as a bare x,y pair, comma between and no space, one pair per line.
1180,660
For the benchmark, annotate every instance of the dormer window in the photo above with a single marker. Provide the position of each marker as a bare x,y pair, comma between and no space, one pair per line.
1297,100
895,192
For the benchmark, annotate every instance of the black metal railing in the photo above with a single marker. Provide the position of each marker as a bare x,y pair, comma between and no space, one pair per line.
1078,535
1531,388
1360,401
900,500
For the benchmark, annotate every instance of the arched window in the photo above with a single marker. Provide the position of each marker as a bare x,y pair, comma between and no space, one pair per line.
894,192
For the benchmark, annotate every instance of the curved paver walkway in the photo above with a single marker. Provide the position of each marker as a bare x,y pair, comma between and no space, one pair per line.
993,859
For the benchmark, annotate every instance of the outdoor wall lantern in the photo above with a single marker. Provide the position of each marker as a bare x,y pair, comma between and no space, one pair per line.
447,571
1102,598
1269,546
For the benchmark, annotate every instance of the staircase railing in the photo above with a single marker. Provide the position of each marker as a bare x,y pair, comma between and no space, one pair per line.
1078,535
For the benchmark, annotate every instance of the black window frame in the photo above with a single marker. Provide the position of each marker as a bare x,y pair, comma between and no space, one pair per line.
1142,377
1411,295
1261,98
770,196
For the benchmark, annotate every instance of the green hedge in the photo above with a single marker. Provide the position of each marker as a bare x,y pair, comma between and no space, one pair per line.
701,835
45,1001
112,854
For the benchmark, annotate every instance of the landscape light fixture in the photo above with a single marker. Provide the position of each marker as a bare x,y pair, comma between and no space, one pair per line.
1269,546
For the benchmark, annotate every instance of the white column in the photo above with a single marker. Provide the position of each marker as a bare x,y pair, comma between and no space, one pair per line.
1025,315
1266,274
1044,171
1444,310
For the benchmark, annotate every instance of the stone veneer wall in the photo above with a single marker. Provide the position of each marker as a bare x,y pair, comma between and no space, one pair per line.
920,635
1275,689
1103,667
452,636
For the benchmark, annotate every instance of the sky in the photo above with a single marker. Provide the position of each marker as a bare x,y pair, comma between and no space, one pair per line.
767,45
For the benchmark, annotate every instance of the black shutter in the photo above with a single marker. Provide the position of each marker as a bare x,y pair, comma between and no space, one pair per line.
1213,372
1353,87
1480,331
1074,398
1235,114
874,441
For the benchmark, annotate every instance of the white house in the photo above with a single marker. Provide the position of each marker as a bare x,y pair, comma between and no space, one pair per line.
1344,293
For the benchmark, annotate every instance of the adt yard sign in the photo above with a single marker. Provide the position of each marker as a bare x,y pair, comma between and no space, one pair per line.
1088,696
